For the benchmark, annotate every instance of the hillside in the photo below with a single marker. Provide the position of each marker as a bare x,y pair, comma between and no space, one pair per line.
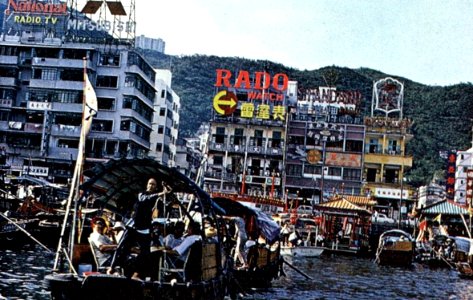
442,115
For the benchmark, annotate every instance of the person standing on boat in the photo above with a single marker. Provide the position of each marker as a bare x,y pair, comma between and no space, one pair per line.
138,227
241,237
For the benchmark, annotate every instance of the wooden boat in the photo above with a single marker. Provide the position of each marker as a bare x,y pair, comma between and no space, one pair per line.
263,258
13,231
395,248
302,251
306,230
205,273
463,256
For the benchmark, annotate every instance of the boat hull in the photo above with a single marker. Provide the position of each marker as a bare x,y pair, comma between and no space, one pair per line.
302,251
109,287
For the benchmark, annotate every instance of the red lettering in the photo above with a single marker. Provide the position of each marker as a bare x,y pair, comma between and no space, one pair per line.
34,7
262,80
223,75
243,77
276,83
266,79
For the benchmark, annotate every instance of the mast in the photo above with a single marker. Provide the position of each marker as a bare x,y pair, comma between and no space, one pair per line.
89,109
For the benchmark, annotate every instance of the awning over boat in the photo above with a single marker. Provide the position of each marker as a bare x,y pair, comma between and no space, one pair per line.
117,183
268,227
444,207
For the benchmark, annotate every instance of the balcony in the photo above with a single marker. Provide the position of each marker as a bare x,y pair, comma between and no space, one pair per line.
61,63
9,81
8,60
236,148
135,69
128,135
65,130
217,146
33,127
6,103
57,84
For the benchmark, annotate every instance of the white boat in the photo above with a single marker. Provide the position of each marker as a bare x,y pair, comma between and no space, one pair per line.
302,251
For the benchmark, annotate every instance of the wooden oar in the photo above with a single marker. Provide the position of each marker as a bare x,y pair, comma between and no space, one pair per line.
296,269
26,232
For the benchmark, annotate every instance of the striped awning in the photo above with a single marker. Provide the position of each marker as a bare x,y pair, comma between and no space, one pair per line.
342,205
444,207
358,200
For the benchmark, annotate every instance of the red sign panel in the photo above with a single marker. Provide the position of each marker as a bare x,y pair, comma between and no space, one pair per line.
469,187
451,166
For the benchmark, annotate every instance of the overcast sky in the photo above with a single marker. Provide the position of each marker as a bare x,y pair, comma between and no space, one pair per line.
430,42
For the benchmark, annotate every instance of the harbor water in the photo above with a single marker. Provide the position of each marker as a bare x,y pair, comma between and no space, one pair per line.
333,277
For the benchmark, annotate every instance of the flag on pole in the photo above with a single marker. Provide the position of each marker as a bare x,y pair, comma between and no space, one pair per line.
90,108
438,218
242,191
423,225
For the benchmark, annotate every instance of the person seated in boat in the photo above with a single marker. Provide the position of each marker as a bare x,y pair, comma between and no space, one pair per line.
139,227
157,230
210,231
102,245
181,251
175,237
118,229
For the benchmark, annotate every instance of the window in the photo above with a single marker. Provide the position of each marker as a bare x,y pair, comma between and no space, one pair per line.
354,146
109,59
63,143
105,103
107,81
218,160
259,138
45,74
334,171
160,129
159,147
220,135
294,170
162,111
351,174
373,146
102,125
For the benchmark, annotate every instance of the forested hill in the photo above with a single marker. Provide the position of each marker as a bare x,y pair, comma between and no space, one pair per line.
442,115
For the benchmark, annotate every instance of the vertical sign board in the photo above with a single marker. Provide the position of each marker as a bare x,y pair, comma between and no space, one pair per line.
469,187
451,167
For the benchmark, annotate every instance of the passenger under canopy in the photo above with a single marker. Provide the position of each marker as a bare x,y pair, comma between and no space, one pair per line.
117,183
268,228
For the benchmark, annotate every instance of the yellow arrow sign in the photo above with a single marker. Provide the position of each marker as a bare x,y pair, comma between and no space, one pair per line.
225,102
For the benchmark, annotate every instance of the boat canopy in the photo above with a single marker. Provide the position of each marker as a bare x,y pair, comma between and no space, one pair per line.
464,244
117,183
267,226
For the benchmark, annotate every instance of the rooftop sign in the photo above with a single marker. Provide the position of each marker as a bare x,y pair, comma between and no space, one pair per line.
35,7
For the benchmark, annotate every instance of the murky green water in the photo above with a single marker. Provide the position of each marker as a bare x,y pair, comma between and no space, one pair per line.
22,271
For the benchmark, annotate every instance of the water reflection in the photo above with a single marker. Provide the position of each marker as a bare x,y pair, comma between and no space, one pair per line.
22,272
354,278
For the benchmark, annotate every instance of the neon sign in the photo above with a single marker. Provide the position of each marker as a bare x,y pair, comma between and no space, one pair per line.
36,7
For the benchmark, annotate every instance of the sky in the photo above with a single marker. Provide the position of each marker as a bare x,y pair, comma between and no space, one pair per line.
430,42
